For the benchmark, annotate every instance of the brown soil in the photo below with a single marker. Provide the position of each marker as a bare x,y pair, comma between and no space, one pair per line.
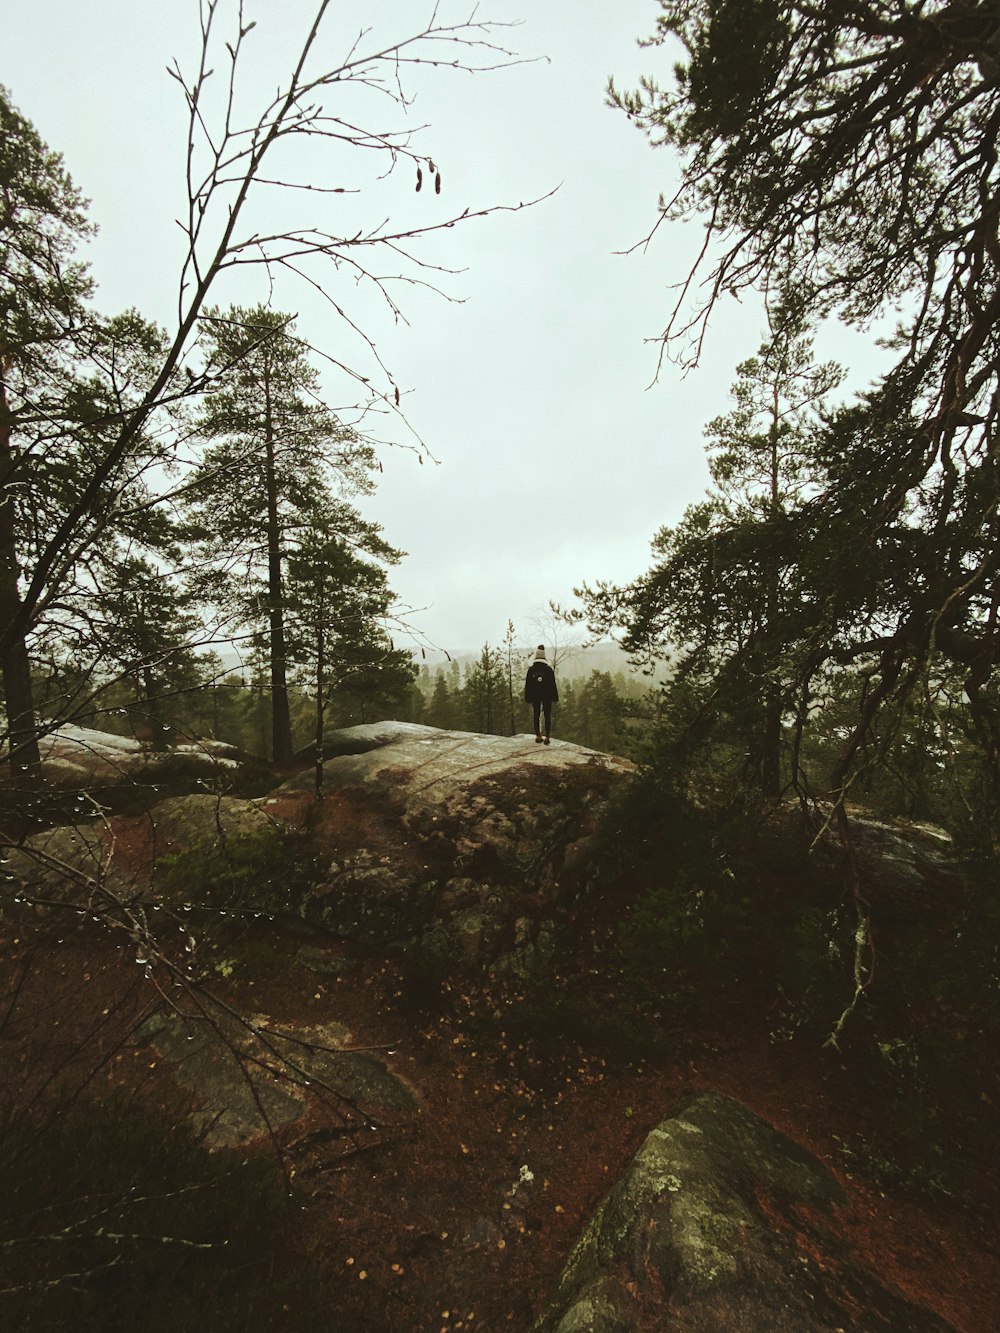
461,1216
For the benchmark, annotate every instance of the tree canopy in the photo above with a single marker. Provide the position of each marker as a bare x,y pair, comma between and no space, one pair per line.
848,150
277,457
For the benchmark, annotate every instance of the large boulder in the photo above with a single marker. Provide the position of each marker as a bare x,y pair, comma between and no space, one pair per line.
904,868
463,845
723,1225
120,853
71,862
180,822
253,1075
75,756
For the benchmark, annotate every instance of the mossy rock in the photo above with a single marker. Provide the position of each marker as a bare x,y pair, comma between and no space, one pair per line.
722,1223
251,1077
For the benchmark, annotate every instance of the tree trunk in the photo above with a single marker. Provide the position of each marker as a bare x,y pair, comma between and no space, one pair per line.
281,727
770,768
22,732
25,760
159,731
320,692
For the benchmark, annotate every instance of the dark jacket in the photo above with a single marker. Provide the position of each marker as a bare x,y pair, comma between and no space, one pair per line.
540,684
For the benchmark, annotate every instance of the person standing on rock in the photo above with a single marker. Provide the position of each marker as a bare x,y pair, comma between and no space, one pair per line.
541,692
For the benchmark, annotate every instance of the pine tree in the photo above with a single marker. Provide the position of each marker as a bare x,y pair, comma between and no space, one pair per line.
277,457
510,655
143,627
728,592
763,466
336,599
600,713
853,147
73,478
441,709
42,296
485,696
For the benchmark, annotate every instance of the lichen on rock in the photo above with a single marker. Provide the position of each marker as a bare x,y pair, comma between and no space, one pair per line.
722,1223
471,842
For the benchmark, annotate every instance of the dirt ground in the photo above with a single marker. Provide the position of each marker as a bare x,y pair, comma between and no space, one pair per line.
462,1215
468,1239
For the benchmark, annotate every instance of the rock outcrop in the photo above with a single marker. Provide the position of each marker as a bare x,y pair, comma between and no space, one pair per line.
904,868
121,853
456,844
721,1223
457,847
75,756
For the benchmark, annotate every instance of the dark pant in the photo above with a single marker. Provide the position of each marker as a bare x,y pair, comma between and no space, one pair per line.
538,707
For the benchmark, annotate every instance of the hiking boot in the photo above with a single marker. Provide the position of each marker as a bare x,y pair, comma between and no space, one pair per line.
546,740
538,740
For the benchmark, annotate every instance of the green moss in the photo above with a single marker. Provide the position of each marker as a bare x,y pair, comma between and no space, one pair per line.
249,871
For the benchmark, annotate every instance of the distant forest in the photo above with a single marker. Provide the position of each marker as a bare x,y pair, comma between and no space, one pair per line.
600,709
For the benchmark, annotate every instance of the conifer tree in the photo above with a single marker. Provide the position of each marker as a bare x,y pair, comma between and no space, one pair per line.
853,147
42,295
277,456
599,714
513,685
337,599
727,593
440,708
485,694
144,628
71,497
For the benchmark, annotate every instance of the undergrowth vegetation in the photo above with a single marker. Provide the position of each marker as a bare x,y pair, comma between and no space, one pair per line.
241,873
230,891
695,937
114,1215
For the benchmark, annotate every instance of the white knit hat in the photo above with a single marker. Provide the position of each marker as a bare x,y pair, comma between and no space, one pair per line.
540,651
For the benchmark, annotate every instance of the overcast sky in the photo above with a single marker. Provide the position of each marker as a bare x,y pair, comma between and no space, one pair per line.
557,460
